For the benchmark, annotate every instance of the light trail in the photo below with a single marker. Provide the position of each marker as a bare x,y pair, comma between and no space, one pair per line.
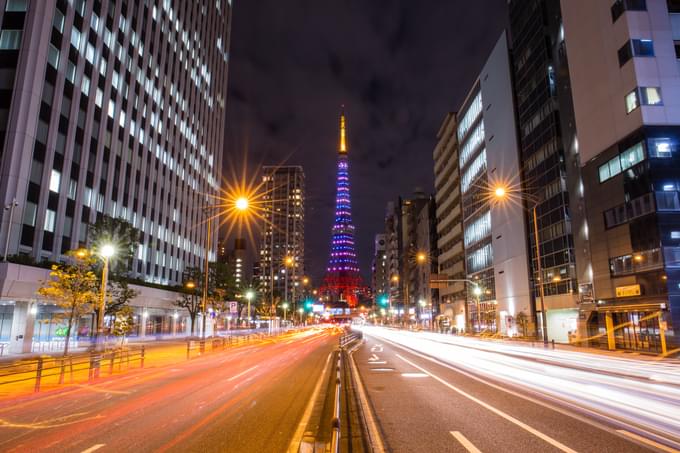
623,390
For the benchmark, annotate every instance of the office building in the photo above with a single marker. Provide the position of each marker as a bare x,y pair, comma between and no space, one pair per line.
494,234
379,271
110,108
449,226
282,251
624,60
550,165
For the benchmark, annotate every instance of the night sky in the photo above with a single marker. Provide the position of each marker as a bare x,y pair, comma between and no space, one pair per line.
398,66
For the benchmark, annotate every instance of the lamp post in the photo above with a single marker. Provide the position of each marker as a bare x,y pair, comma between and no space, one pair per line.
249,297
106,252
285,308
501,193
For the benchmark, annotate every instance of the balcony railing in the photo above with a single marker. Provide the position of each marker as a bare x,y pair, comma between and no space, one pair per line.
647,260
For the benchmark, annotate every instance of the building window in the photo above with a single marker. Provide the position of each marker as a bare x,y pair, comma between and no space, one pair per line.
10,39
16,6
650,96
50,217
636,48
631,156
660,147
632,101
621,6
53,56
72,189
55,181
58,21
29,213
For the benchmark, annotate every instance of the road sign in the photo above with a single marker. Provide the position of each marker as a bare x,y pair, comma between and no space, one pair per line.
233,307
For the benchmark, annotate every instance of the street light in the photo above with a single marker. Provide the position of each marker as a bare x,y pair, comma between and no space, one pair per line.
106,252
501,194
250,294
242,204
285,307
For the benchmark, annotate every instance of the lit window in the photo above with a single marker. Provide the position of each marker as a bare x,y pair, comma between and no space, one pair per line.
632,101
85,86
75,38
660,147
112,108
651,96
98,97
50,217
55,180
631,156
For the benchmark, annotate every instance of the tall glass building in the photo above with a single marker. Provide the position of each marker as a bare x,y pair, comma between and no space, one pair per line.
111,108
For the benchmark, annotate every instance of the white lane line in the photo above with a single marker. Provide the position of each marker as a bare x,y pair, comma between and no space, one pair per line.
373,358
242,373
414,375
295,443
93,448
555,443
646,441
465,442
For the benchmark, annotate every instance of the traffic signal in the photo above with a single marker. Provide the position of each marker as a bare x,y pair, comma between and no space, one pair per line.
383,300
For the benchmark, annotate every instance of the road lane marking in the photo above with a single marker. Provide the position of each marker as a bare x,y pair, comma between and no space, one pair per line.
377,363
373,358
414,375
373,433
294,446
93,448
377,348
555,443
242,373
646,441
382,369
465,442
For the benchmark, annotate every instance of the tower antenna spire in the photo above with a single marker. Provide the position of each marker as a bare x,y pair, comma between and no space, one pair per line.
343,140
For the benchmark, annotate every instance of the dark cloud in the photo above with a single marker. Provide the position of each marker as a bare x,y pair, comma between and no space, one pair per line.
398,66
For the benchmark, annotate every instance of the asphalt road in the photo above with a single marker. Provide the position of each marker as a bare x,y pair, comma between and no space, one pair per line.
248,399
423,403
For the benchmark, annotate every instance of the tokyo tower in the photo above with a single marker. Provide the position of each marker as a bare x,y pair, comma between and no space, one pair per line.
342,280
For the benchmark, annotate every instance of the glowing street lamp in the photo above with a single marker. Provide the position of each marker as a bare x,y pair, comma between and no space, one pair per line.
285,308
421,257
106,252
242,204
250,294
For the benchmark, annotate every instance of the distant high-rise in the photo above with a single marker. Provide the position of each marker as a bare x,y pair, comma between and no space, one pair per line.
342,281
449,218
379,277
282,251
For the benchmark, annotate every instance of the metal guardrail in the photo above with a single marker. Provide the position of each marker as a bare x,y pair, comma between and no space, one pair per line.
349,338
335,422
219,343
69,366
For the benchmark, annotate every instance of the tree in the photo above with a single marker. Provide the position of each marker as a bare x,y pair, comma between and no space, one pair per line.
120,233
193,305
120,295
123,322
73,287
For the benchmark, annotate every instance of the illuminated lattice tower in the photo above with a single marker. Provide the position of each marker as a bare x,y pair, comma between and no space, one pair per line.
342,280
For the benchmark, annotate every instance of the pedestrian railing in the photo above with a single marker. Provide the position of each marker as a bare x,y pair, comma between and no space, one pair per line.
335,422
52,371
196,348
